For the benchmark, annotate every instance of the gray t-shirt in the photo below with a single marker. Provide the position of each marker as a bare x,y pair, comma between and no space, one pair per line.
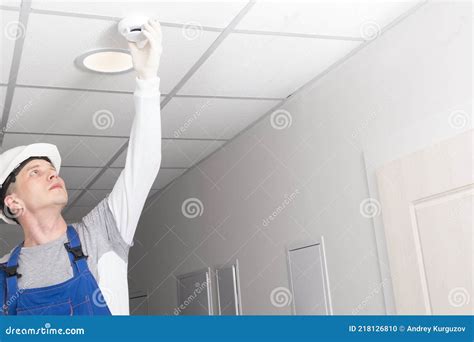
49,264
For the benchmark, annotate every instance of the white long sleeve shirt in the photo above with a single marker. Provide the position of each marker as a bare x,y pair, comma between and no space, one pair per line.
130,192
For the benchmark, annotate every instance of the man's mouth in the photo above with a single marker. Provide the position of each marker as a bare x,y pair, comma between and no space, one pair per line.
56,187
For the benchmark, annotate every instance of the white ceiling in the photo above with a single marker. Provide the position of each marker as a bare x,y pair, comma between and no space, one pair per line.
240,63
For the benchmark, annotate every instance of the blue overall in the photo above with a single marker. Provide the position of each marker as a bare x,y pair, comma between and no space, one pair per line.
79,295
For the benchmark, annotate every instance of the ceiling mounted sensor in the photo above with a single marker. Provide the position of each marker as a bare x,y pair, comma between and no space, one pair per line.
131,28
105,61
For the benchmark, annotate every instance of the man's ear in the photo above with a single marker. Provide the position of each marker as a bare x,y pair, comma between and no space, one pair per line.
14,203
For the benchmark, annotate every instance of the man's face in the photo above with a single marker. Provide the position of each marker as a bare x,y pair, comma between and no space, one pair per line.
38,186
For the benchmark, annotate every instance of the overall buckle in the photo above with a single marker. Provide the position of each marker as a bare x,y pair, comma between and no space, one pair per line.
11,271
76,251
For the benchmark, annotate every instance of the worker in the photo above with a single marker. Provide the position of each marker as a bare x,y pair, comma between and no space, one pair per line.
80,268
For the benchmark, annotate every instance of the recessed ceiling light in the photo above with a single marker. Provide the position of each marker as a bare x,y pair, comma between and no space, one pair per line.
105,61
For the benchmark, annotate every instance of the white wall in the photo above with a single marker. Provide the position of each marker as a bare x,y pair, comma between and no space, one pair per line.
392,97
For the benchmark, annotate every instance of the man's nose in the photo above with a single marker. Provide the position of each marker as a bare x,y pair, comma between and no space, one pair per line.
53,175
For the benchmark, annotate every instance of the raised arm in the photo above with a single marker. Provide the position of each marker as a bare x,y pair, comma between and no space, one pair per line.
143,161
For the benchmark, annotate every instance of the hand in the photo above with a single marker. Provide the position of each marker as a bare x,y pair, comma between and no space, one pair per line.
146,60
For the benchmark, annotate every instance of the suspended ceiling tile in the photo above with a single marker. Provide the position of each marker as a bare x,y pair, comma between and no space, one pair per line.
120,161
335,18
76,213
71,112
9,25
166,176
51,61
72,194
75,151
92,198
180,153
11,3
204,13
185,153
109,177
264,66
210,118
77,177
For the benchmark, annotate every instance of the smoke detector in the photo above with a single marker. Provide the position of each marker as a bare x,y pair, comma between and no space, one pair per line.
131,28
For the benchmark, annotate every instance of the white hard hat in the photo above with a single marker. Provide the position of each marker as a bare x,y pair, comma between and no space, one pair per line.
12,158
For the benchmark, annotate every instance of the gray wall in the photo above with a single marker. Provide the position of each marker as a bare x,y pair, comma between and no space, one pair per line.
391,98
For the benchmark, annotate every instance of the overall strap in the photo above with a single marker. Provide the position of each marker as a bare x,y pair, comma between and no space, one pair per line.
74,248
12,280
3,289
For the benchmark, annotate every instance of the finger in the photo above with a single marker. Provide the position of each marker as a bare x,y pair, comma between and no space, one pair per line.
132,46
151,39
156,25
149,28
